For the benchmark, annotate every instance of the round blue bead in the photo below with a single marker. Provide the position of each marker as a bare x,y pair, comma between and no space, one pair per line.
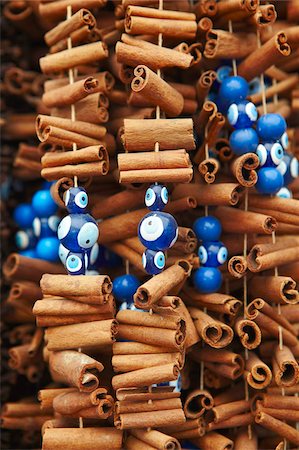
76,200
244,141
212,253
207,279
232,90
78,232
222,73
47,248
29,253
124,287
24,215
270,154
207,228
158,231
269,181
242,114
156,197
153,262
25,239
270,127
43,204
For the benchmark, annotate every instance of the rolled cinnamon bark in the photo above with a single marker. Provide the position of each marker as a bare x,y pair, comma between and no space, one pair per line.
217,194
244,167
152,160
118,203
172,339
214,440
215,333
88,109
142,394
278,401
279,427
23,423
146,377
136,348
141,135
124,225
79,438
197,402
155,288
281,87
19,409
226,411
76,369
290,205
82,404
127,363
239,221
239,420
213,302
177,206
156,439
203,86
258,375
264,257
56,11
88,154
264,57
79,170
157,91
128,253
157,405
265,15
285,367
67,59
25,291
130,317
224,362
132,442
82,128
223,44
249,333
279,289
209,168
237,266
243,440
290,414
18,267
149,419
80,286
46,396
55,321
99,333
156,175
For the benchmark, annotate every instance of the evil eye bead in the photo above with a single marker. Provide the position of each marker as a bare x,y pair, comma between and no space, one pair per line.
22,240
207,228
48,248
156,197
214,254
270,127
64,227
270,181
53,223
43,204
223,73
284,192
291,165
232,90
76,200
24,215
284,140
207,279
270,154
153,262
203,255
276,153
262,154
78,232
88,235
222,255
244,141
124,287
242,115
158,231
81,200
75,264
63,253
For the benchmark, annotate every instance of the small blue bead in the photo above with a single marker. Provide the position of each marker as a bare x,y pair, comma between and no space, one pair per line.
269,181
76,200
43,204
76,263
24,215
232,90
270,154
242,114
25,239
124,287
207,228
29,253
270,127
156,197
244,141
153,262
158,231
207,279
212,253
223,73
47,248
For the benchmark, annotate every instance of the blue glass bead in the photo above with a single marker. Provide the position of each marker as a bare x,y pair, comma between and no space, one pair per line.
78,232
46,226
232,90
207,279
156,197
47,248
29,253
244,141
289,168
270,154
269,180
43,204
270,127
212,253
25,239
284,140
222,73
76,200
124,287
242,114
76,264
153,262
207,228
284,192
158,231
24,215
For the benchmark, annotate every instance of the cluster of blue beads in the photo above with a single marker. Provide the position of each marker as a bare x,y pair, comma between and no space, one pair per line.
38,222
78,233
212,253
157,230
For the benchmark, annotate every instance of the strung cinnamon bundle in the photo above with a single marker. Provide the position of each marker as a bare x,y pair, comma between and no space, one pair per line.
223,44
212,440
240,222
146,377
156,439
266,256
81,404
79,438
285,366
249,333
18,267
279,427
276,288
258,375
217,194
213,302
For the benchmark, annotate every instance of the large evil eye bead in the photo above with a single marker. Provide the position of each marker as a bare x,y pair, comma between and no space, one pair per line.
284,192
276,153
244,141
24,215
75,265
284,140
207,228
153,262
232,90
242,115
270,127
88,235
158,231
269,181
64,227
207,279
156,197
43,204
151,228
124,287
203,255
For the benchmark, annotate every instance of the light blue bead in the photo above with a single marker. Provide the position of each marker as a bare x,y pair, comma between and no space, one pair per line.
270,127
124,287
243,141
270,181
207,279
43,204
153,262
207,228
158,231
24,215
47,248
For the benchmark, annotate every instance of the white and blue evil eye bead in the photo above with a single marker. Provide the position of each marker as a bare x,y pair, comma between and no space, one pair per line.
153,262
270,154
158,231
53,223
25,239
75,264
284,140
289,168
78,232
242,114
212,254
76,200
284,192
63,253
222,73
94,253
156,197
